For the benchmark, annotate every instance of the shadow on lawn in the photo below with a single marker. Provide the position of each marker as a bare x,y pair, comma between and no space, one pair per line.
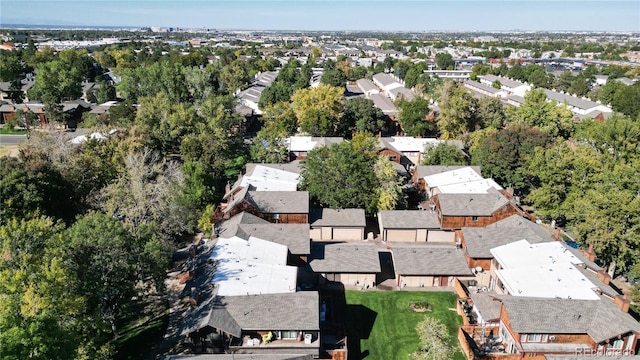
359,322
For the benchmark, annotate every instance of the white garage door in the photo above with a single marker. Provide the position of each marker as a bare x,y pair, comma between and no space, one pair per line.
401,235
347,234
315,234
441,237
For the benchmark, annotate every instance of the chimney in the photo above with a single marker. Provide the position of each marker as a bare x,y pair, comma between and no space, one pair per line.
227,188
622,302
558,234
602,275
589,253
510,192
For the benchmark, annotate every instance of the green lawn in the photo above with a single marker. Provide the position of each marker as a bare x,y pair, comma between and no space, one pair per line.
12,131
141,330
380,325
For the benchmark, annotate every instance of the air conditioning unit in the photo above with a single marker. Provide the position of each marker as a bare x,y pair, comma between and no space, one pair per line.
552,338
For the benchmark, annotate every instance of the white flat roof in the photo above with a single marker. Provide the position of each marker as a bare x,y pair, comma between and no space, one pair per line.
546,270
548,281
264,178
408,143
251,267
470,187
457,176
523,254
300,143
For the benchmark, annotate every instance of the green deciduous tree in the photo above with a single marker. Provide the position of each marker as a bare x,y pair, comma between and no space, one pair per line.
413,118
627,101
234,76
389,190
502,154
31,187
457,111
434,340
333,77
490,112
56,82
343,176
548,116
445,61
165,122
107,261
360,114
39,316
444,154
319,110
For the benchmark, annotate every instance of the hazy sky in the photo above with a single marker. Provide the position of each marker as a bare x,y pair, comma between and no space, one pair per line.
417,15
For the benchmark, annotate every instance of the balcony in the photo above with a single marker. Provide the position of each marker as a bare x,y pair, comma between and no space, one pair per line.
482,342
252,343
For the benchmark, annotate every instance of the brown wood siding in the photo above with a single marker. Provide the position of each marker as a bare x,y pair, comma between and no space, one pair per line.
573,339
282,218
507,323
458,222
288,218
388,153
485,264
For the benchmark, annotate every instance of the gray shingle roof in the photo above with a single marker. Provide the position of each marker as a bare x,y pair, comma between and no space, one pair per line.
570,100
487,304
480,240
386,143
366,85
293,167
406,93
600,319
384,79
294,236
280,202
408,219
429,260
503,81
290,311
593,277
251,94
344,258
236,198
580,255
337,217
472,204
384,104
234,314
230,228
327,141
481,86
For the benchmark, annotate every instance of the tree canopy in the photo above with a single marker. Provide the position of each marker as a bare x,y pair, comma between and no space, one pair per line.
319,110
344,176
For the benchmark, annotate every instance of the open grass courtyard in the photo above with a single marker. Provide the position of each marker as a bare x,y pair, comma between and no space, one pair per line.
380,324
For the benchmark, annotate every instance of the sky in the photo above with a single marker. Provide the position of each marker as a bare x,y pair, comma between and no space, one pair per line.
384,15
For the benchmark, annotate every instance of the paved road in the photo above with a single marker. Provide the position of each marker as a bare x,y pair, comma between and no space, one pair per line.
9,140
6,140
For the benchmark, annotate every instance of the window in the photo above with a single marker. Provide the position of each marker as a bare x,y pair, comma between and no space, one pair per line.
393,158
474,218
616,344
532,338
289,335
